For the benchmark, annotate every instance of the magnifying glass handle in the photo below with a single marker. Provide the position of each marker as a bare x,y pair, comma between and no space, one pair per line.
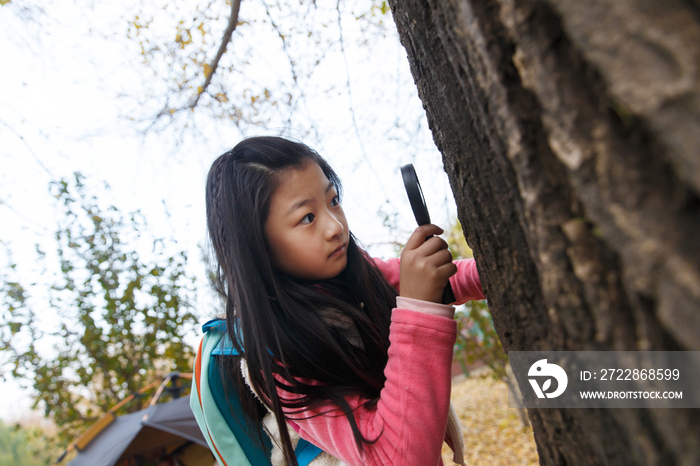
415,197
448,296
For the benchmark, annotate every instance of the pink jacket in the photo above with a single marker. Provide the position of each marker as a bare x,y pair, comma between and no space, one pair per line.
411,416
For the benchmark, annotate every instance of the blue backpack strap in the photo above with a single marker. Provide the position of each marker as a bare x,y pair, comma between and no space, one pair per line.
225,397
246,431
223,443
219,324
306,452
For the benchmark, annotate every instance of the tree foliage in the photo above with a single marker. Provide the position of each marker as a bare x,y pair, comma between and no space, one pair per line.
25,446
116,315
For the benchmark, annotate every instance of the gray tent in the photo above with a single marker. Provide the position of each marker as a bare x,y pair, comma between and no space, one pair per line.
150,435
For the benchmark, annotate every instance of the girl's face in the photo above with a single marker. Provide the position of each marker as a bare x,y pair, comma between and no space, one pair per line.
306,228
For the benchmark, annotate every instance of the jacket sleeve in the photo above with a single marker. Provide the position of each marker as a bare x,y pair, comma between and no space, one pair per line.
410,419
465,283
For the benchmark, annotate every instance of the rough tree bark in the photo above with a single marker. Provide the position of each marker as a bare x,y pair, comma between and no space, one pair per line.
570,131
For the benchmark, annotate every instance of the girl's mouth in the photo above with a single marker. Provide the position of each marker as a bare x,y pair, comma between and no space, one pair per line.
338,252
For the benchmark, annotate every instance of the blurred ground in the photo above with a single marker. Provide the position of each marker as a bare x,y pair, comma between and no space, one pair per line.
493,433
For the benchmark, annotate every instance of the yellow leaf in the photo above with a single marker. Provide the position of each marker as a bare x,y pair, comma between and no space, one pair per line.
384,8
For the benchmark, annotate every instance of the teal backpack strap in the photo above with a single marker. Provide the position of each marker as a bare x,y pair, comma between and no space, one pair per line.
227,441
231,436
247,432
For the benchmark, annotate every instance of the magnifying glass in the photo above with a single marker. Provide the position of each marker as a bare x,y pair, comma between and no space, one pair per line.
420,211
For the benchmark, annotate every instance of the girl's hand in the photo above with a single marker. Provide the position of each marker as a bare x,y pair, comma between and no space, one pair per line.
426,265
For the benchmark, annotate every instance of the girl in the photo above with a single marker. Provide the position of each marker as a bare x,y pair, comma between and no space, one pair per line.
334,349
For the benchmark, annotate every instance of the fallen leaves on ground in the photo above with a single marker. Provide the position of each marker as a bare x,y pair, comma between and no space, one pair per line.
493,433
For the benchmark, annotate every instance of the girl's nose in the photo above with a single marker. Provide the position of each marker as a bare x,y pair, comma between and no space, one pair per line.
334,226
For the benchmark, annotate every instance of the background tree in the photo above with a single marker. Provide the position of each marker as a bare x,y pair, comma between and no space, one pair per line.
569,131
116,319
25,446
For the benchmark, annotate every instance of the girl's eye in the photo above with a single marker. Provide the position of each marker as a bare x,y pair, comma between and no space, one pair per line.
308,218
336,201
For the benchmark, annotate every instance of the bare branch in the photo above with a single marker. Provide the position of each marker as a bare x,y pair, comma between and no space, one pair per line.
232,23
4,203
29,148
284,42
167,110
352,111
292,67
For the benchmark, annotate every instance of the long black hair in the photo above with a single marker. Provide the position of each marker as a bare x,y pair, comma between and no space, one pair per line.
334,332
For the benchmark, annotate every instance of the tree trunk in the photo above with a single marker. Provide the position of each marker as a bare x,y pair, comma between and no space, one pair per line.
570,131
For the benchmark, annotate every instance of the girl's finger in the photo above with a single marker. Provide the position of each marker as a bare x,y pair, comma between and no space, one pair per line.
418,236
447,270
433,245
440,257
